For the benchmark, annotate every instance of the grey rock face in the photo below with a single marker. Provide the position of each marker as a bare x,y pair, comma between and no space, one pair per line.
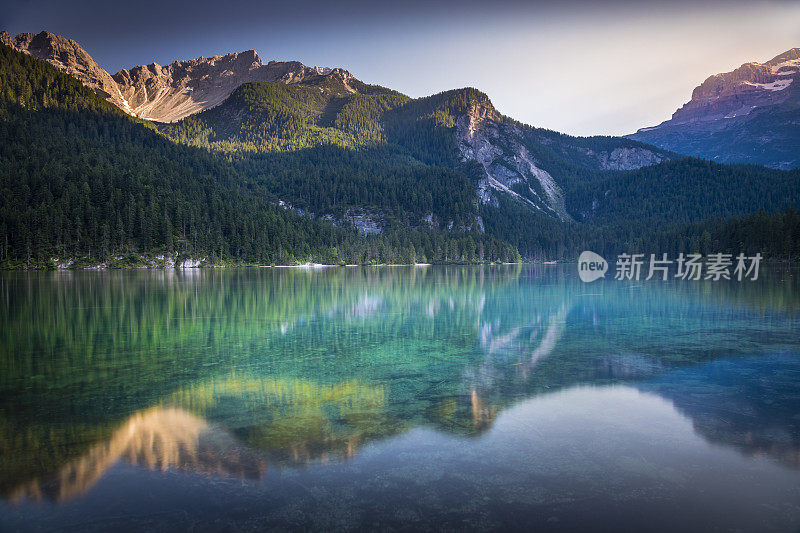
626,158
508,167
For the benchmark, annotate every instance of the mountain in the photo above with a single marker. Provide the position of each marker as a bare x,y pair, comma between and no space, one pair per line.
521,161
182,88
458,129
544,192
510,154
170,92
749,115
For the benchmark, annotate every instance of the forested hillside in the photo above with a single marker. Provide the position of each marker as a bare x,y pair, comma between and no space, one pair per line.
682,205
421,162
78,179
774,235
681,191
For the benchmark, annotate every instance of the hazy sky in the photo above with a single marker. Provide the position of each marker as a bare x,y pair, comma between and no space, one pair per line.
576,66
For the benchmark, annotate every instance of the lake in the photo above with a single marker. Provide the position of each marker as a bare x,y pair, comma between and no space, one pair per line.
507,397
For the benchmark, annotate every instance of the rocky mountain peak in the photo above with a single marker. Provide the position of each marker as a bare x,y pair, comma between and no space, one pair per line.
186,87
738,92
67,56
746,115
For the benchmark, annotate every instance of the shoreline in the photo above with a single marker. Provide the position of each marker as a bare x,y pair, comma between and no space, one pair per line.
303,266
170,266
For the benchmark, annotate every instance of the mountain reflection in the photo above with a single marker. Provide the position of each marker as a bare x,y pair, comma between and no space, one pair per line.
278,423
750,404
292,421
157,439
281,422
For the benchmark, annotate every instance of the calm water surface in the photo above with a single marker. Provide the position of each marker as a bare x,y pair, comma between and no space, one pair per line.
504,397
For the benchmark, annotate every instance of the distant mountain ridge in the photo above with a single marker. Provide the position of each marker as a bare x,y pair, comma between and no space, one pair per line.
748,115
170,92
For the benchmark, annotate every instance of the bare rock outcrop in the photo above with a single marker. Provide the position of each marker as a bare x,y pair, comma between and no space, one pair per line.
484,136
626,158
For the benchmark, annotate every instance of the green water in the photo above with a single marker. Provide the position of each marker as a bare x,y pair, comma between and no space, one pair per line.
484,397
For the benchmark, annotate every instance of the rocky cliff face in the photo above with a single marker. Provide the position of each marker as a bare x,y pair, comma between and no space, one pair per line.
625,157
505,150
171,92
747,115
508,167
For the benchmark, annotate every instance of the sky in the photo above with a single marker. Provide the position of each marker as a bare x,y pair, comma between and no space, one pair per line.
602,67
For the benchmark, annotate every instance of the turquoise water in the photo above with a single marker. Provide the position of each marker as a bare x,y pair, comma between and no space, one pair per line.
480,398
